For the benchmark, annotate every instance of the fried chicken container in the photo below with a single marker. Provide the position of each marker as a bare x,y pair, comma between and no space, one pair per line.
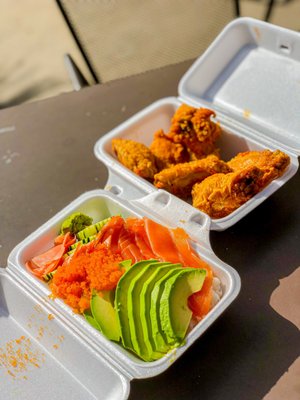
249,77
44,342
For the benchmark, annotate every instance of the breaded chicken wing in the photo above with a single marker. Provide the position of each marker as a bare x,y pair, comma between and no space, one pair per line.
135,156
179,179
272,163
193,128
166,152
221,194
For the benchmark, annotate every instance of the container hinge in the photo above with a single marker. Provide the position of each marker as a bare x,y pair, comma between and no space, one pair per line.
124,189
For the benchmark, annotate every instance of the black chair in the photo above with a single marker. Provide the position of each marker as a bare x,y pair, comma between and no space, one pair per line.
122,38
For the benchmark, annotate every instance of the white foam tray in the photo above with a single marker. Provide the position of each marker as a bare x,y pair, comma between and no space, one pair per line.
84,351
248,76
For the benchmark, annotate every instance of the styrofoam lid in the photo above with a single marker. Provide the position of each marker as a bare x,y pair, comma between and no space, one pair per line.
42,358
251,73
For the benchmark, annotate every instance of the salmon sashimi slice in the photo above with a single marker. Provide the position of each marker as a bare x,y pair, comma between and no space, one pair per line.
161,242
187,254
137,227
67,239
200,302
112,228
128,247
49,260
143,246
46,262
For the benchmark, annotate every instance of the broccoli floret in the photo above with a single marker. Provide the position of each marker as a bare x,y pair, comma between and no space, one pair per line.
75,223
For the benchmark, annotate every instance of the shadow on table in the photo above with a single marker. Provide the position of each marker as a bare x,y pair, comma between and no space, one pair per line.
251,346
31,92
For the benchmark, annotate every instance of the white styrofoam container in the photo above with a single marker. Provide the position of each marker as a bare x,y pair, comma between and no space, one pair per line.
85,353
250,76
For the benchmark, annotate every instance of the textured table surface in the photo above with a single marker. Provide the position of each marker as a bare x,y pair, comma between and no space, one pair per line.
47,160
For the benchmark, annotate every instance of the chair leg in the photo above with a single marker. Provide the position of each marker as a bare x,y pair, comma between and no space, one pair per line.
77,78
237,8
269,10
77,41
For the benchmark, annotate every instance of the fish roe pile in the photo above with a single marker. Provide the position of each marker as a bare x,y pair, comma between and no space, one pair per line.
86,270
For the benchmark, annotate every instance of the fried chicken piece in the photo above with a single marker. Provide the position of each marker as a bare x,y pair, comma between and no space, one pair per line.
166,152
179,179
273,164
135,156
221,194
193,128
211,150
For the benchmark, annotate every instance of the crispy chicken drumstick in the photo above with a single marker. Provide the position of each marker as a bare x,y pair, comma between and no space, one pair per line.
193,128
221,194
135,156
166,152
272,163
179,179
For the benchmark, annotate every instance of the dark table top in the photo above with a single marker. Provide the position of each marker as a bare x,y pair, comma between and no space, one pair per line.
47,160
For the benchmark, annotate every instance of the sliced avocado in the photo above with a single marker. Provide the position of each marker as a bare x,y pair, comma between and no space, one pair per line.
92,229
145,304
121,304
175,314
105,316
108,295
91,320
126,264
159,338
138,338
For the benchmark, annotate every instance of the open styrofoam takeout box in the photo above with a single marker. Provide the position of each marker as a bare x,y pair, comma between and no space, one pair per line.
81,362
250,76
99,368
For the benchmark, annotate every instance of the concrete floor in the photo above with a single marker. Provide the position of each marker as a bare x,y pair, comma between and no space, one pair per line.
34,38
